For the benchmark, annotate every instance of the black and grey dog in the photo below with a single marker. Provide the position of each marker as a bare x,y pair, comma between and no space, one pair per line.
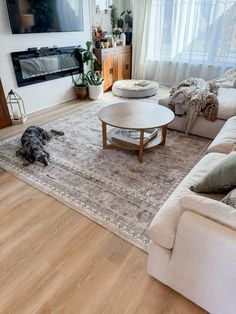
33,141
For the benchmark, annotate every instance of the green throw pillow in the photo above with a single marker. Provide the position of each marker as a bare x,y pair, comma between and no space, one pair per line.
219,180
230,198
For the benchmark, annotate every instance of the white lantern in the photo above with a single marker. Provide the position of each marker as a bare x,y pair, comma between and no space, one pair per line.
17,108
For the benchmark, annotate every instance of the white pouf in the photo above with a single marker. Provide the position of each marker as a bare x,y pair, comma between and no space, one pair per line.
135,88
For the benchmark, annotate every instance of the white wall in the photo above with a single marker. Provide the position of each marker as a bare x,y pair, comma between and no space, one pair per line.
45,94
104,19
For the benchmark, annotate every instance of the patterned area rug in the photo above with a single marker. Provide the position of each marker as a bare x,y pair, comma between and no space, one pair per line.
109,186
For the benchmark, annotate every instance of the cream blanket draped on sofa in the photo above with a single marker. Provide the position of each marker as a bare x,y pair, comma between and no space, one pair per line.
193,97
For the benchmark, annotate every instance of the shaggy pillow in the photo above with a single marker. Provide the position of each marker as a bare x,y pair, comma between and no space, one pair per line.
220,179
230,198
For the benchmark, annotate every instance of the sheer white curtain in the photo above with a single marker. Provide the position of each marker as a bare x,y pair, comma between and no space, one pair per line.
176,39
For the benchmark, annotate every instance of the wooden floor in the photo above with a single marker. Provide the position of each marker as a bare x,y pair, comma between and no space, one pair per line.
55,260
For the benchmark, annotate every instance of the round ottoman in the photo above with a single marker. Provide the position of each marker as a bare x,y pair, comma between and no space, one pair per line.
135,88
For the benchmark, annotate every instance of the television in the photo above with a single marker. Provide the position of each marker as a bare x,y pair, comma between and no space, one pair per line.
42,16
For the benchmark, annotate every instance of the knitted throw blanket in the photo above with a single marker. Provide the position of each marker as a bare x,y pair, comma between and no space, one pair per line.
193,96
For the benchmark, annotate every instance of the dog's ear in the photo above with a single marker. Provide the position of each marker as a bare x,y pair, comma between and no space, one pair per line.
20,153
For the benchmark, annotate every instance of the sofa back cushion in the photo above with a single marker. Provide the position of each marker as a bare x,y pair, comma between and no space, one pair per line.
225,141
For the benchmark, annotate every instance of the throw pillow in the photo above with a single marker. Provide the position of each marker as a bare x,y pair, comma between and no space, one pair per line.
219,180
230,198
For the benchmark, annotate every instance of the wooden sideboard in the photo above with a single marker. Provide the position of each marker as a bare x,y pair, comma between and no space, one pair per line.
5,119
116,64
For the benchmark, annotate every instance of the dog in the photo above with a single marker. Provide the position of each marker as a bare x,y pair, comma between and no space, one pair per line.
33,140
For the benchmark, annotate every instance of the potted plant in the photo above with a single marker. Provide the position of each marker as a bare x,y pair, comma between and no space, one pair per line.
87,57
94,80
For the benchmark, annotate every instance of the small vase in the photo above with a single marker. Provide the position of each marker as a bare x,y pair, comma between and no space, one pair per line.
123,39
106,44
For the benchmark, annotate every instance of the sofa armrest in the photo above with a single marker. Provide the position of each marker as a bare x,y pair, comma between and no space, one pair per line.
202,266
209,208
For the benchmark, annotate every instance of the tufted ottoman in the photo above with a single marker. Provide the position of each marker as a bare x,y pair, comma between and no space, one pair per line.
135,88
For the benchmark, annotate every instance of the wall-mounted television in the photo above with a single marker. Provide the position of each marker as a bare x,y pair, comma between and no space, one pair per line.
42,16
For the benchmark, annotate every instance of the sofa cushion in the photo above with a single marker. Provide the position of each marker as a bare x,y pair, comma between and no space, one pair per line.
212,209
227,103
164,225
220,179
226,138
230,198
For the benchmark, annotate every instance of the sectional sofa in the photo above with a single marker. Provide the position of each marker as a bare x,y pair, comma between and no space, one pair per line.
193,247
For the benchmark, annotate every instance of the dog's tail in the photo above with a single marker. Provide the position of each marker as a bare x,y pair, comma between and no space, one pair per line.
55,132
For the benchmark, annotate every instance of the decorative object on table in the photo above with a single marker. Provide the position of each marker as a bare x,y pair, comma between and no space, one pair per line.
123,39
16,104
98,44
106,42
102,184
98,33
88,58
116,33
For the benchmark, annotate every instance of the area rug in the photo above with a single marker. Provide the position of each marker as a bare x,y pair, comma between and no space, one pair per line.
109,186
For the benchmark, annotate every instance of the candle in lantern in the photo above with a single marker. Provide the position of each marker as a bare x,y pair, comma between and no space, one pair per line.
16,113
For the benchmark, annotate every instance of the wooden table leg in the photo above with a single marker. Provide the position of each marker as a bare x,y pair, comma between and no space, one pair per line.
164,131
140,156
104,135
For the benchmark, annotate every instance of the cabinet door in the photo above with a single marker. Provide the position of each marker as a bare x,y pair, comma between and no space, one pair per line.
126,62
115,65
110,67
5,119
107,68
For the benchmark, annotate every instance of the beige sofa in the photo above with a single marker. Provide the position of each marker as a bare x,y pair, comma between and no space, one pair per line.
193,247
202,127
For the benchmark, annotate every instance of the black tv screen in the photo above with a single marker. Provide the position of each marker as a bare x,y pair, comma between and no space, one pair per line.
42,16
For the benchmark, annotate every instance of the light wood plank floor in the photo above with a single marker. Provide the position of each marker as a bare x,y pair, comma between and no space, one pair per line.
54,260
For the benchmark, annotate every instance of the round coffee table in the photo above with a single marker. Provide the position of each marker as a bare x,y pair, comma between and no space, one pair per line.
140,116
